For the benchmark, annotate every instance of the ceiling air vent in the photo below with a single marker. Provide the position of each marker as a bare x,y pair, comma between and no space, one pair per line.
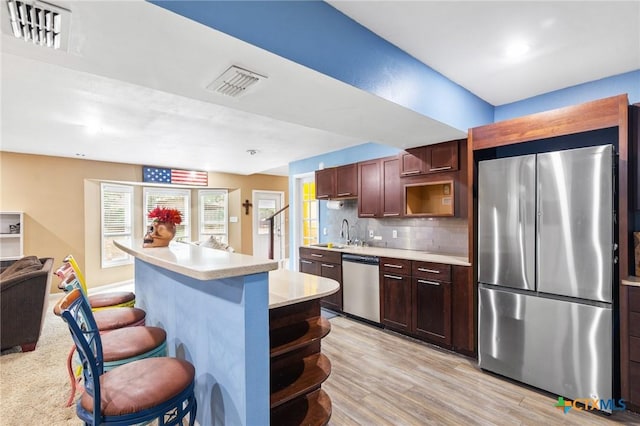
235,81
38,22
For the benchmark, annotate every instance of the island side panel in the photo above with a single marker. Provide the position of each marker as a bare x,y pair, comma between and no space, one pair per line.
222,327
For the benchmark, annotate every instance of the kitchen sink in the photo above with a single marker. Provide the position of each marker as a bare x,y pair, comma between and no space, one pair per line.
326,245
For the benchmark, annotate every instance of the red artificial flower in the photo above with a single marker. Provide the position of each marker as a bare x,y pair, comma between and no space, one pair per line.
163,214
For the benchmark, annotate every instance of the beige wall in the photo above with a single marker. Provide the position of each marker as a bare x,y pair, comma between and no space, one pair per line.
60,198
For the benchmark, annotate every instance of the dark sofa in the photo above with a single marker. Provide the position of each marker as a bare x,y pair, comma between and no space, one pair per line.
24,294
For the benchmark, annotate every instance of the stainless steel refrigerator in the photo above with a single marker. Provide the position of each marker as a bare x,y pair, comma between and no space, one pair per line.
545,270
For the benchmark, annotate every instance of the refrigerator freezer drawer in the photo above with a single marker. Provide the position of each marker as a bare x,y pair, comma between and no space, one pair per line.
562,347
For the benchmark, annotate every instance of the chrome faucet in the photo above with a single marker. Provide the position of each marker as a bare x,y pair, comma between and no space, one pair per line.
344,234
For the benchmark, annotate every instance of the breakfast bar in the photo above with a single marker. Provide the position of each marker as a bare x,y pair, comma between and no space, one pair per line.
215,307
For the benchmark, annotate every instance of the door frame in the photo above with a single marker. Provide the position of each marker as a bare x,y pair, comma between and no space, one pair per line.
296,218
254,221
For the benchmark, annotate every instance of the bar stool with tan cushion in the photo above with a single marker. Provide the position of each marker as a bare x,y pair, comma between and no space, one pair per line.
138,392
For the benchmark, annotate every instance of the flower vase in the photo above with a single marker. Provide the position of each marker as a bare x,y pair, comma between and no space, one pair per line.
159,234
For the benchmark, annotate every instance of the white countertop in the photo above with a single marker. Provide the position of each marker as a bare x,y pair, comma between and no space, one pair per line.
290,287
201,263
632,281
400,254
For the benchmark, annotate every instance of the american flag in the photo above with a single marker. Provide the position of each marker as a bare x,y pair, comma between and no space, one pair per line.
174,176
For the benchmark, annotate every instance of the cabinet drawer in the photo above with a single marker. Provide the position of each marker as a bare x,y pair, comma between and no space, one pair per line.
634,299
634,324
395,266
320,255
432,271
634,349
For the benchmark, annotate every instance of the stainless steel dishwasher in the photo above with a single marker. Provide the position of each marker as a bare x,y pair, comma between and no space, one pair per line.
361,286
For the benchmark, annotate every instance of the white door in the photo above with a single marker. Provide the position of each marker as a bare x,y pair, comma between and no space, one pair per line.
265,204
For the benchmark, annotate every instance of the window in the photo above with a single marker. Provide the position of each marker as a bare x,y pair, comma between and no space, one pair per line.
117,223
179,199
309,212
213,205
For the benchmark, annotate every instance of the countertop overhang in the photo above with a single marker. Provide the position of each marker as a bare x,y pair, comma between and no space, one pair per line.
398,254
290,287
201,263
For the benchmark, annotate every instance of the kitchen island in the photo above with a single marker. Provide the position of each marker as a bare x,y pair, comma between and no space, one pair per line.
216,307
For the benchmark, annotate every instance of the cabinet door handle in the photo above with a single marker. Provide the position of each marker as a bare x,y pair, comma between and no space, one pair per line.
367,214
391,265
317,255
305,261
393,277
412,172
431,271
322,196
342,194
437,169
327,266
428,282
391,214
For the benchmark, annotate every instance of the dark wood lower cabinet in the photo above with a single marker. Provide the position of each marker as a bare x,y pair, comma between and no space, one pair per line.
633,342
395,309
463,308
333,271
432,310
634,383
434,302
326,264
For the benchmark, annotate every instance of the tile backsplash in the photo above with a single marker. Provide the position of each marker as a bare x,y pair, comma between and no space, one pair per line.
436,235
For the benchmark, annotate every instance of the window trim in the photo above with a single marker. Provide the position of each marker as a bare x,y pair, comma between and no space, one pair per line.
203,235
186,217
126,189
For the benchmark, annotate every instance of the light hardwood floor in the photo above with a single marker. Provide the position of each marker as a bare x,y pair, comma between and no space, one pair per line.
381,378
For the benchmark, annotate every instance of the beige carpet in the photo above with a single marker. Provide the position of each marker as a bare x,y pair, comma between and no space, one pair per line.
34,386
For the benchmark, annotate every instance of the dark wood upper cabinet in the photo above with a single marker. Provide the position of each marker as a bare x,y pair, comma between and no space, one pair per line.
347,181
337,182
325,183
391,203
412,161
441,157
369,188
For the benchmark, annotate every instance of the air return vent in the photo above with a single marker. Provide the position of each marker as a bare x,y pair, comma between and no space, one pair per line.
39,23
235,81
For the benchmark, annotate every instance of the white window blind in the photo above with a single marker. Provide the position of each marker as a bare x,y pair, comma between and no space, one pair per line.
117,223
179,199
213,205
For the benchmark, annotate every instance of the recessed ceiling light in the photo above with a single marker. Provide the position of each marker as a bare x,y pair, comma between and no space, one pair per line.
517,49
93,128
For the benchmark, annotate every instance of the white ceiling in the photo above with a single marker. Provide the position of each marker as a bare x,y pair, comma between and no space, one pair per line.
135,92
571,42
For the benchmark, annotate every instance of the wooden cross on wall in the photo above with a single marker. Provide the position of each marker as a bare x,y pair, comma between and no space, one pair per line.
246,206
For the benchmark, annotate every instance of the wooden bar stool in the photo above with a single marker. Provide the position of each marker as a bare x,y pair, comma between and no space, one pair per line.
140,391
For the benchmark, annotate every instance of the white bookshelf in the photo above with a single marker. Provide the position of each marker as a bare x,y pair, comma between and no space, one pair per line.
11,243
